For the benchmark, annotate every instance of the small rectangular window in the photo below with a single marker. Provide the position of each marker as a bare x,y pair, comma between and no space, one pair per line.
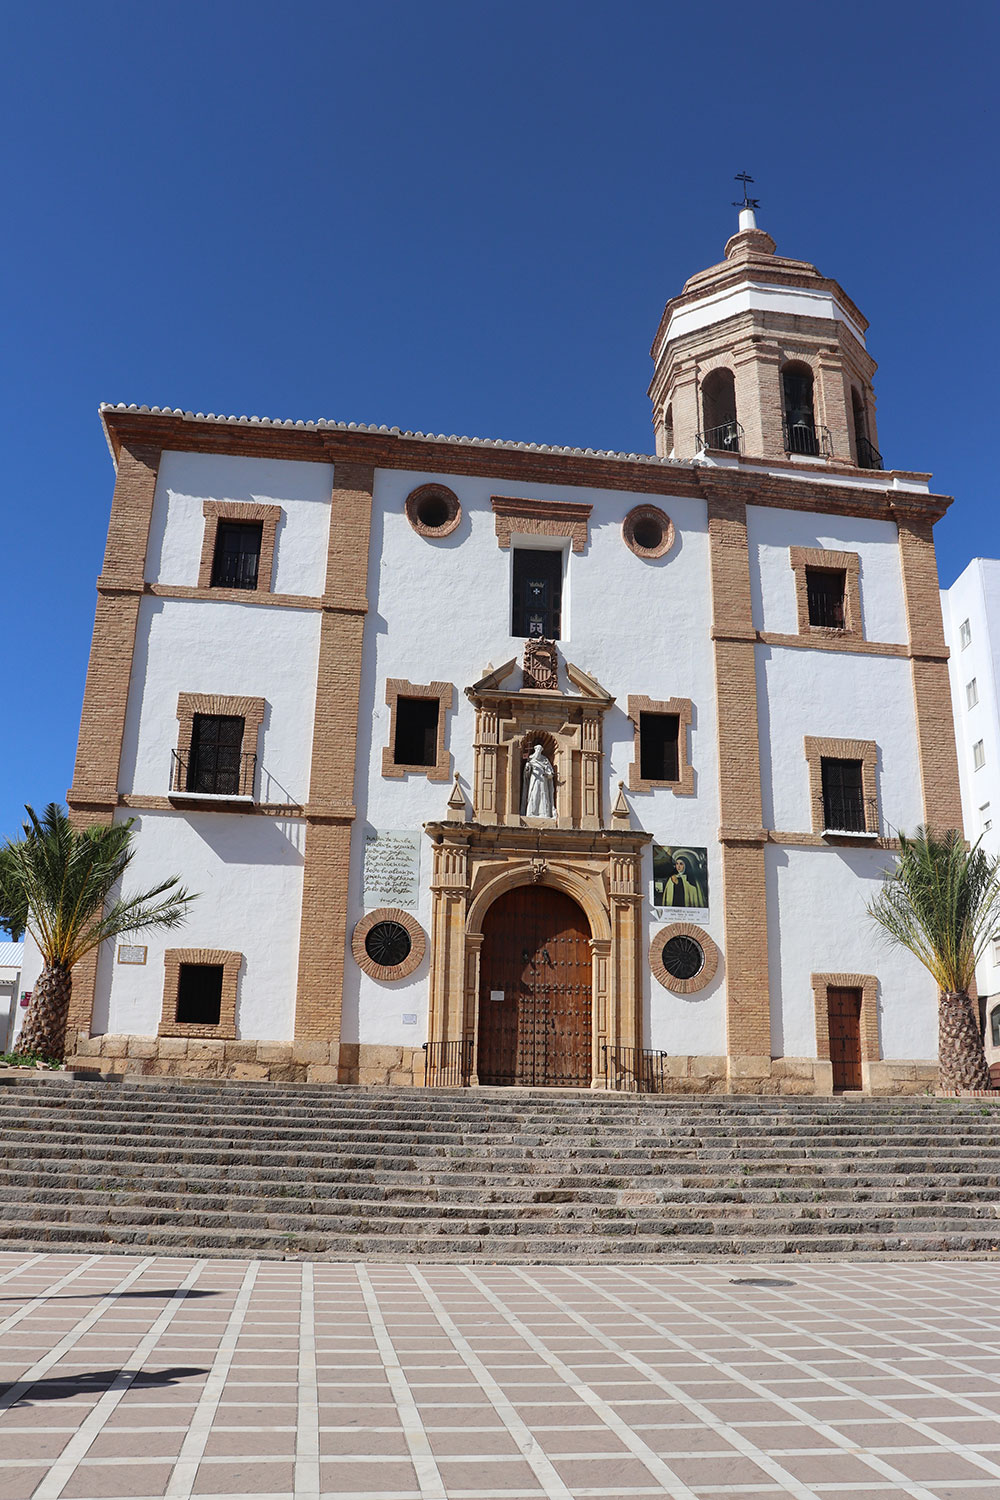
415,742
843,795
995,1016
658,747
964,633
971,694
537,602
199,994
216,762
237,555
825,592
996,960
979,755
984,817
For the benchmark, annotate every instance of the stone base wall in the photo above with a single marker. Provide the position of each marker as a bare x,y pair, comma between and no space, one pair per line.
367,1063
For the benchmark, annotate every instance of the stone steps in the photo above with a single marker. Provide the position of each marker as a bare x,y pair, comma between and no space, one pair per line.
492,1174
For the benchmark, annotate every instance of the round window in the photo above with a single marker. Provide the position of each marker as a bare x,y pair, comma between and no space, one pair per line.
388,944
648,532
683,958
433,510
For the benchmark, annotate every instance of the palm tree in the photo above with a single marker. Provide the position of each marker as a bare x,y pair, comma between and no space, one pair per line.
942,902
57,883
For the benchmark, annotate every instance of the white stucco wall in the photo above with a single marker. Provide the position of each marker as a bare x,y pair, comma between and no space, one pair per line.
770,534
203,646
817,924
441,611
800,693
186,480
247,874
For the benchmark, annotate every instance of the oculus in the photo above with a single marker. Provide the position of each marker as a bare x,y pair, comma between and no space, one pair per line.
683,958
648,531
388,943
433,510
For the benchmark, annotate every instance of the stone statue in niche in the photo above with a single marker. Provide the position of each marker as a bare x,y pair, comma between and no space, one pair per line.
540,668
538,789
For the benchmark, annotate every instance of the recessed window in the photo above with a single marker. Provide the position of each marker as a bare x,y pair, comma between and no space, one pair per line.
825,590
843,795
658,747
236,562
964,633
415,742
648,531
979,755
216,762
996,1013
683,958
199,994
537,601
984,817
388,944
433,510
995,1016
971,694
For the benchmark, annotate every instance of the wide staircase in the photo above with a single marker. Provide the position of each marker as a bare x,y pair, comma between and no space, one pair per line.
492,1174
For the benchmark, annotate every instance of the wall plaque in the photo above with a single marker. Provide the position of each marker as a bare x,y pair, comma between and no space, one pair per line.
132,954
392,868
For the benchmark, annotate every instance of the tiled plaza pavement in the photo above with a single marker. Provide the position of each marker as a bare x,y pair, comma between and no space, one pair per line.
178,1377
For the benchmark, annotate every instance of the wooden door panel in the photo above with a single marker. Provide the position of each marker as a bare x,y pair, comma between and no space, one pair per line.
536,955
844,1009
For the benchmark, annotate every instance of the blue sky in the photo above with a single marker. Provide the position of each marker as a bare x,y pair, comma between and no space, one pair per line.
458,217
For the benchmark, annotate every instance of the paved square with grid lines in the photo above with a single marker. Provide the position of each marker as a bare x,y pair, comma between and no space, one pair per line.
152,1376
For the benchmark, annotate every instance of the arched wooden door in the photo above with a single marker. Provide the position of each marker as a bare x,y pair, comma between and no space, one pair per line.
535,991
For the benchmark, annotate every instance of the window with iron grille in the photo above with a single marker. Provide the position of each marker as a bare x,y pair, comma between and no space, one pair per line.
843,795
237,555
199,994
537,602
415,742
216,754
825,592
658,747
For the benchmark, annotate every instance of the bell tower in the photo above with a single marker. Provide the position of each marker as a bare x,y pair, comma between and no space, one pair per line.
763,356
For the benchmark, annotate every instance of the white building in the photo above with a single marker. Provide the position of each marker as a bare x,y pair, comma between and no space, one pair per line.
11,960
971,610
316,680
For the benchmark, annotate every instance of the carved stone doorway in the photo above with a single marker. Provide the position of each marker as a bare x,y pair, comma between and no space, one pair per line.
535,993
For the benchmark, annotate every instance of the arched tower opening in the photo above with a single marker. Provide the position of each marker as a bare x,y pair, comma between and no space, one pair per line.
718,407
798,411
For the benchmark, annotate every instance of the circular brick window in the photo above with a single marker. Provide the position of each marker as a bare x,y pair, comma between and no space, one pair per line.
683,958
433,510
388,944
648,531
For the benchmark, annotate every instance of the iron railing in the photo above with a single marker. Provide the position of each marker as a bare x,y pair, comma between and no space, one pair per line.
225,774
848,814
728,438
806,437
868,455
637,1070
448,1065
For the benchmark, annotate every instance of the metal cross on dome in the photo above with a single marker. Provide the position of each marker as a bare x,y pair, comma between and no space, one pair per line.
746,180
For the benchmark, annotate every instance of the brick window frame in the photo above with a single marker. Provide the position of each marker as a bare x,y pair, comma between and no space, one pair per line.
412,961
241,513
635,518
444,692
441,492
660,972
683,708
231,964
250,710
868,985
540,518
817,748
827,561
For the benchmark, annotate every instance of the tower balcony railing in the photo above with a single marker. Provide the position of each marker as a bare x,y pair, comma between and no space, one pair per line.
868,455
727,438
197,776
807,438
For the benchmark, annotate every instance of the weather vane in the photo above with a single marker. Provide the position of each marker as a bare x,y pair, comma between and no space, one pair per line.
746,179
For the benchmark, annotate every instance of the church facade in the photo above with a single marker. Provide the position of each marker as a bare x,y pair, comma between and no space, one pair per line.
502,764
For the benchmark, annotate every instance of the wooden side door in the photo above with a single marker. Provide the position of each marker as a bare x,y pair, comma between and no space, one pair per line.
844,1008
562,982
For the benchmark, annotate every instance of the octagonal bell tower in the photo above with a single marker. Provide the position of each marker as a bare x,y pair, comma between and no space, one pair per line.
763,356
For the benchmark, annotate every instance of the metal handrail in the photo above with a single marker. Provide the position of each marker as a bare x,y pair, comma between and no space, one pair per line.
807,438
637,1070
237,780
868,455
727,438
448,1064
850,814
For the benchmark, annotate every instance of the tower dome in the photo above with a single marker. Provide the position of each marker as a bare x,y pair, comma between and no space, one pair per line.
763,356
